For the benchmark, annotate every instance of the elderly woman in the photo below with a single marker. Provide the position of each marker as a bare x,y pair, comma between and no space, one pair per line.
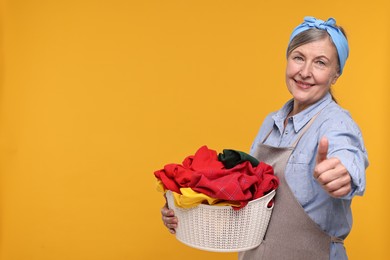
316,150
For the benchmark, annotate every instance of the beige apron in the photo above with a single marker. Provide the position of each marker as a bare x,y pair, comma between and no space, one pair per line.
291,233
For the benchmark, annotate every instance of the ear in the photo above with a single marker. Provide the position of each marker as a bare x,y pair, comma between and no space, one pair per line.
335,78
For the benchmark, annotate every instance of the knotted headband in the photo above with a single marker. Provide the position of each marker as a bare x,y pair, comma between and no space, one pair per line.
338,38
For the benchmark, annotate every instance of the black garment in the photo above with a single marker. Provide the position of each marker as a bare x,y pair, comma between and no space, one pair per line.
231,158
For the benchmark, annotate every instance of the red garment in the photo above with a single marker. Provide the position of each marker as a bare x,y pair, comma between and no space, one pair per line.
204,173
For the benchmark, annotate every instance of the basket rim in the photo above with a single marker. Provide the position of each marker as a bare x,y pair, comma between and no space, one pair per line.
269,195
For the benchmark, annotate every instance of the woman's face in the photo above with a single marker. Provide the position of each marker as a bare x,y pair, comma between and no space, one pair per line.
311,70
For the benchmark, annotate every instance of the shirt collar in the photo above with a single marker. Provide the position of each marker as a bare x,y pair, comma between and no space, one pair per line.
300,120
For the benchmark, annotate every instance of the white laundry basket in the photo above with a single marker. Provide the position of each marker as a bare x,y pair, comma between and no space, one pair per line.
220,228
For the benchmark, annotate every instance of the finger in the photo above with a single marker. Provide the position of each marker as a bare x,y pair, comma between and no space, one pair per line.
326,171
338,187
322,151
169,220
171,226
170,223
341,192
334,183
165,211
168,217
330,170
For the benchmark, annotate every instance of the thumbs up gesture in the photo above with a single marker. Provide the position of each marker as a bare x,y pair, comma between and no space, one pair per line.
330,172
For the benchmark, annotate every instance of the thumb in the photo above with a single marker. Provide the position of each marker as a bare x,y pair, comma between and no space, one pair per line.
322,151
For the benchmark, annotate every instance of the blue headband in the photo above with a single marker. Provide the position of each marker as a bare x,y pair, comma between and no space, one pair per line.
335,33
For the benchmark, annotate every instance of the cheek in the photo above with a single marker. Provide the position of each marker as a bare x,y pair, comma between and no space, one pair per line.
291,70
289,77
328,79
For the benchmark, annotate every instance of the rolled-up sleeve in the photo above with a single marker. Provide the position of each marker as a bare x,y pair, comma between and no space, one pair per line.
346,144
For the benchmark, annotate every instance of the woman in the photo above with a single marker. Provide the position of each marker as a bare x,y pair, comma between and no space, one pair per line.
316,150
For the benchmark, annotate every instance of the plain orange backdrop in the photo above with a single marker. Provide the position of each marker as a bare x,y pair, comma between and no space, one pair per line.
96,95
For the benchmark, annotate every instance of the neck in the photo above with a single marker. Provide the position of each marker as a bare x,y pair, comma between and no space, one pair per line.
297,109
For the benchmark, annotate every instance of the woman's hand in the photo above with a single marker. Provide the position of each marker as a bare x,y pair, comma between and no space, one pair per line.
169,219
331,173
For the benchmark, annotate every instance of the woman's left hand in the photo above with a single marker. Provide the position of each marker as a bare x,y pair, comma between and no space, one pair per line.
331,173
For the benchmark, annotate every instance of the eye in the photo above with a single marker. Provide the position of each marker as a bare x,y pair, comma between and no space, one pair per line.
320,64
297,58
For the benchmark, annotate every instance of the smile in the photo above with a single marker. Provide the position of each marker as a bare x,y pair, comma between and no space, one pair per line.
303,85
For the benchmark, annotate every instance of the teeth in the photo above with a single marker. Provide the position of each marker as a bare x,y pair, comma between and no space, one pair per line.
304,84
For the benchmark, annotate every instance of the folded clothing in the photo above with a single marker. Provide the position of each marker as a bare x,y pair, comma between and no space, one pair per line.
204,173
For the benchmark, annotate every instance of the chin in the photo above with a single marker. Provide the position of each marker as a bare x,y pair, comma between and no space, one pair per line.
302,100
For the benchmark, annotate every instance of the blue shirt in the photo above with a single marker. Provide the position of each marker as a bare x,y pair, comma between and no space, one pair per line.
345,142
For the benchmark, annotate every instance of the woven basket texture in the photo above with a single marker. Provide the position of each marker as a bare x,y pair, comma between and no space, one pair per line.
220,228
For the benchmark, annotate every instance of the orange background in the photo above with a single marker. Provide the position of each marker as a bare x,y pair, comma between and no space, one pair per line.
97,95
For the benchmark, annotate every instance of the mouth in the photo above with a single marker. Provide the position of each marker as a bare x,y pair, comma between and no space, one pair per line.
304,85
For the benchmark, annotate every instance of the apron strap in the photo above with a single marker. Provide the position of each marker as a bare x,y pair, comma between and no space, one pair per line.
266,137
336,240
305,129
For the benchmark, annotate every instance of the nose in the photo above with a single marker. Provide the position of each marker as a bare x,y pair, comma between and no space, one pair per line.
305,70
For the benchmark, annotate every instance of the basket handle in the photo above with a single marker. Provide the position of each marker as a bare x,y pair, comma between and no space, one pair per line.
271,196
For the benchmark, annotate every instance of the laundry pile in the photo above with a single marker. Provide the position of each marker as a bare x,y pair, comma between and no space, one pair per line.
230,178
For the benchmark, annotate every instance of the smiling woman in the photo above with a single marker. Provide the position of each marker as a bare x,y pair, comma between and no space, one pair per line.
325,158
316,150
308,33
311,70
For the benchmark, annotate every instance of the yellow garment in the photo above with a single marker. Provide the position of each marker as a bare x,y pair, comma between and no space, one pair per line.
190,198
160,186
